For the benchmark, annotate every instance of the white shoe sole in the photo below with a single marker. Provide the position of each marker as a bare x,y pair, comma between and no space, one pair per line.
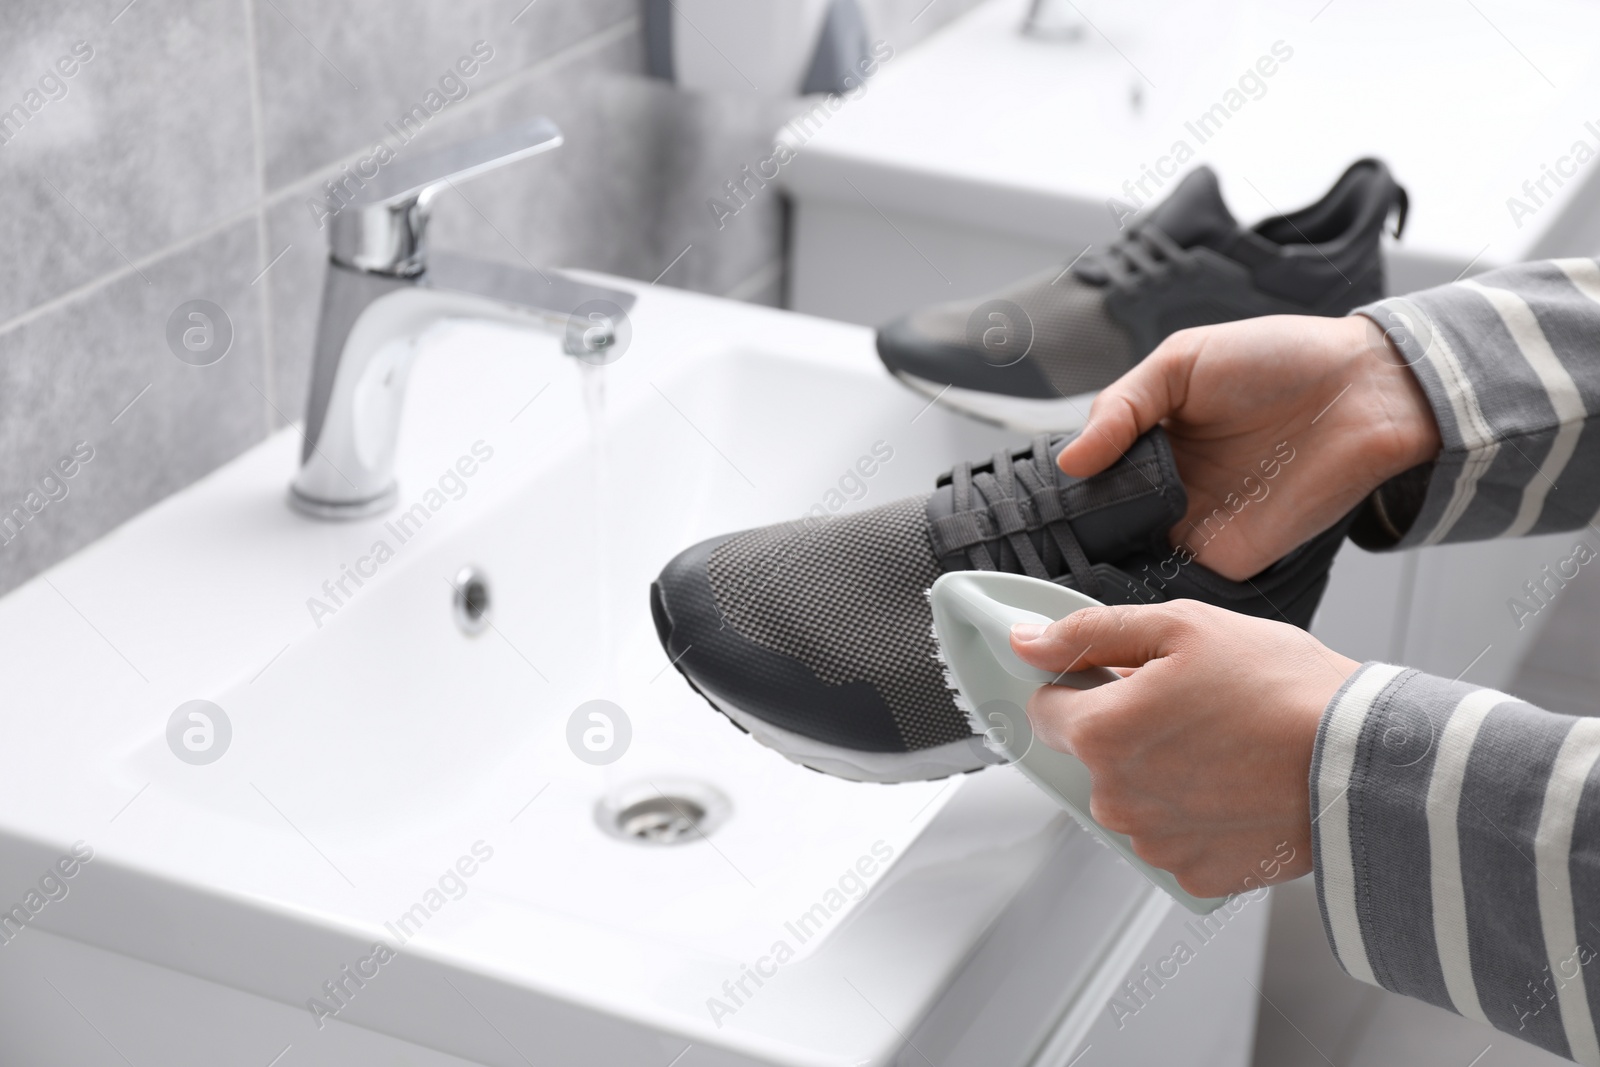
942,761
1066,414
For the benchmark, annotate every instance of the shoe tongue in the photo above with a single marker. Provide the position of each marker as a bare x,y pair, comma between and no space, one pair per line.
1194,214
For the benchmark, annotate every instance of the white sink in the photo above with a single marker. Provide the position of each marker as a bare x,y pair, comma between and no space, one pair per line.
375,746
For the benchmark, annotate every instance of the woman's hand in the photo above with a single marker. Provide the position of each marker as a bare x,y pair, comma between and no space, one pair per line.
1236,398
1202,752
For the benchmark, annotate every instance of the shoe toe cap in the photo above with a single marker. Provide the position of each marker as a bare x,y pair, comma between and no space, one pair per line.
905,349
735,672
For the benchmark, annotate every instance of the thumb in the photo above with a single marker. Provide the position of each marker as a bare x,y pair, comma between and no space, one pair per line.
1120,636
1126,408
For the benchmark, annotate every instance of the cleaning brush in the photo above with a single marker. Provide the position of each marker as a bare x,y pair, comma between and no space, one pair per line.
973,612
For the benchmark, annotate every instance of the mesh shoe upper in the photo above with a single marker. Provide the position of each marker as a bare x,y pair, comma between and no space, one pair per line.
1052,325
828,592
1069,331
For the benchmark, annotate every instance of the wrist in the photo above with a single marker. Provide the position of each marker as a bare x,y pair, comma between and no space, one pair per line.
1404,431
1322,686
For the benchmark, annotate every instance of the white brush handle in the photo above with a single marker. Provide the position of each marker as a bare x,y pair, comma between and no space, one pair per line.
973,613
994,621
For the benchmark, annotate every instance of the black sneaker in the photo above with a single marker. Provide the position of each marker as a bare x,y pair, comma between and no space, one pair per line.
815,636
1026,356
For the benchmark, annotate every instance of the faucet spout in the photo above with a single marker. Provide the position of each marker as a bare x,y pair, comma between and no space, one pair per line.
365,346
383,289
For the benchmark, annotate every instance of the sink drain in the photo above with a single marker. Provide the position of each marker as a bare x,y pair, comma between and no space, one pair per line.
664,813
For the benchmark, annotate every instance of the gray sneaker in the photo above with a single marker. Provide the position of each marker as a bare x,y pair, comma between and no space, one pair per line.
1029,355
815,636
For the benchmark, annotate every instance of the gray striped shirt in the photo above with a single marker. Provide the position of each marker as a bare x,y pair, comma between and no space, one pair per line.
1458,850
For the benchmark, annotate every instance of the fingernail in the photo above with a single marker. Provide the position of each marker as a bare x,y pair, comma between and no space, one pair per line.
1027,631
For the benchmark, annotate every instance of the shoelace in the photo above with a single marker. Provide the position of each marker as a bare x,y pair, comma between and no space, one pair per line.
1142,253
1004,500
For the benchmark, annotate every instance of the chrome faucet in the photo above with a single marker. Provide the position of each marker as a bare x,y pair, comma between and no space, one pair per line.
383,289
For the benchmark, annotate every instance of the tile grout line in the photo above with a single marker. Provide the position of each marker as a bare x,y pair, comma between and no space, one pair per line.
77,292
269,355
471,106
550,64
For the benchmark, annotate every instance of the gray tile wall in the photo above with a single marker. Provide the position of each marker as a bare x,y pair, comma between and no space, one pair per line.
171,157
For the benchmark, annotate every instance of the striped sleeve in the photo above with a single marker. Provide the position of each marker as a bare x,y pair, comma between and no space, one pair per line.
1509,363
1456,843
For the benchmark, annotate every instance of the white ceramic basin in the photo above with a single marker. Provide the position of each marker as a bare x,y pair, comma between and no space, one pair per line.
375,745
386,731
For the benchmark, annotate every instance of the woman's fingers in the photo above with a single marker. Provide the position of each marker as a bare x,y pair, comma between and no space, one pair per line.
1128,407
1120,636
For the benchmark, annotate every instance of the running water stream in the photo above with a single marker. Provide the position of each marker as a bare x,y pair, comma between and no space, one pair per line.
600,555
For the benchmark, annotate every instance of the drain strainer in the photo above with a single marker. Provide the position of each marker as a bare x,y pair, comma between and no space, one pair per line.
662,812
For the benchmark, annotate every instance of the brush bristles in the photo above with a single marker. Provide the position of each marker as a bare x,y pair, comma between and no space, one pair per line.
960,698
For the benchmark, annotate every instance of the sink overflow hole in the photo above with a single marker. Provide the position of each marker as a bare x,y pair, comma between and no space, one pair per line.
472,601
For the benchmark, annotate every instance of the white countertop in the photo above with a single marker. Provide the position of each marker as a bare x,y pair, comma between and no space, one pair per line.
1465,101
